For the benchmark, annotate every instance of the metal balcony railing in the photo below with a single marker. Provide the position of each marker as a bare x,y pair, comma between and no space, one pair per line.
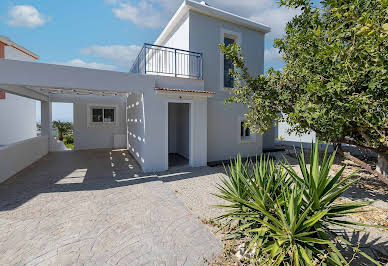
166,61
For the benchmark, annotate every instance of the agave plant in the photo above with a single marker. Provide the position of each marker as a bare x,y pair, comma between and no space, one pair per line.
287,217
267,177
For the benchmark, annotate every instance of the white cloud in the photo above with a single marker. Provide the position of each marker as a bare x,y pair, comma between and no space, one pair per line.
276,18
272,56
81,63
144,14
156,13
25,16
120,54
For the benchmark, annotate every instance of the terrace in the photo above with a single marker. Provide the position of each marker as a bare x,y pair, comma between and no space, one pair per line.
167,61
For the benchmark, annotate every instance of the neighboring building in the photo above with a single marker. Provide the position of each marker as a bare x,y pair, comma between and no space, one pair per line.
171,106
293,139
17,114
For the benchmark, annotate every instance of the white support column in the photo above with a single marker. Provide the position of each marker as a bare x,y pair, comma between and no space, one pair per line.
46,117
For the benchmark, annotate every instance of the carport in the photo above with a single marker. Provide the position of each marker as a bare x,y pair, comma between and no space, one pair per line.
49,83
141,102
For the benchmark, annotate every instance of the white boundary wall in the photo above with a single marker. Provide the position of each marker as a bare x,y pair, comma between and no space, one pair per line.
19,155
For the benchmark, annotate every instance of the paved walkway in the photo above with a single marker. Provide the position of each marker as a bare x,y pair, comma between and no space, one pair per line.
96,207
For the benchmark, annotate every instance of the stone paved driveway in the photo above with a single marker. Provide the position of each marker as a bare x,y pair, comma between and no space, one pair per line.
96,207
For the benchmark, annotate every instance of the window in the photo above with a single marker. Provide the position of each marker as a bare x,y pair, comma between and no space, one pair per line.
245,133
109,115
103,115
97,115
228,78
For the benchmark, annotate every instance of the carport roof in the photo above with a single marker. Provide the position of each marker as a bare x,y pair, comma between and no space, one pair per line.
39,80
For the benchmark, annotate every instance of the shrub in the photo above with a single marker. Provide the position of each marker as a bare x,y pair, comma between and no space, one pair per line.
288,217
68,139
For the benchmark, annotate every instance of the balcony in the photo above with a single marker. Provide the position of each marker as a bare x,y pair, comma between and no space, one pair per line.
166,61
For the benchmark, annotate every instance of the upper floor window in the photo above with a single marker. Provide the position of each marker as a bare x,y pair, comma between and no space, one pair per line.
228,78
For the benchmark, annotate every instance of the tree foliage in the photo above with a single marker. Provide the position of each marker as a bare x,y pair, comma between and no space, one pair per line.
63,128
335,80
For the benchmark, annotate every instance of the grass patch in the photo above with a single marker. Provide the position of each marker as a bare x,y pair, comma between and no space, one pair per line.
70,146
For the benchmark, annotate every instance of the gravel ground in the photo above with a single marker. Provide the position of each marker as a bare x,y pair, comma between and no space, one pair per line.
196,185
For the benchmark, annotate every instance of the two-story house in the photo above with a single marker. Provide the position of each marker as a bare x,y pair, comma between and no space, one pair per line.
170,108
201,28
197,29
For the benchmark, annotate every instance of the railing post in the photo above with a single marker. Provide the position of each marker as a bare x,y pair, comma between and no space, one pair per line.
175,62
145,60
201,66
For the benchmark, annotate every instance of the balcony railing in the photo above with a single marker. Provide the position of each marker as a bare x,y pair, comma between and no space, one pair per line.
166,61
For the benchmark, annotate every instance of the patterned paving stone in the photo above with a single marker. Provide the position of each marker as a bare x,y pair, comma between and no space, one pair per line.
97,208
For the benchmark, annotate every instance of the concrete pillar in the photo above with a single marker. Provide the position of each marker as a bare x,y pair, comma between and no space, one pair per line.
46,117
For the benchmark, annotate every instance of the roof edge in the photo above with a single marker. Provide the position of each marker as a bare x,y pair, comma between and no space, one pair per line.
9,42
201,93
190,5
228,16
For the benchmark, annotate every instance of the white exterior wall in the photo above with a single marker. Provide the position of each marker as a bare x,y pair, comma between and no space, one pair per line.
17,119
87,136
224,120
180,36
14,54
156,130
135,127
17,156
17,114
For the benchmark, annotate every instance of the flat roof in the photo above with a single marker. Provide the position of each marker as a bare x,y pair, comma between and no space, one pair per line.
202,8
9,42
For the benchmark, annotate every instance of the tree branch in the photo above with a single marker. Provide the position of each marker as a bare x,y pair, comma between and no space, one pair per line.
364,165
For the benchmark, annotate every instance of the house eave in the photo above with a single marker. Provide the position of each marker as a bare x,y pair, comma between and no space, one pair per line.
183,93
189,5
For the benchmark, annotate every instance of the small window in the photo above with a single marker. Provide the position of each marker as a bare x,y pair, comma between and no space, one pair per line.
228,78
103,115
245,133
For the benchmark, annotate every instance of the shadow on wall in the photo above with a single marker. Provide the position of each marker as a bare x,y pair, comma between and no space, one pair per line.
135,127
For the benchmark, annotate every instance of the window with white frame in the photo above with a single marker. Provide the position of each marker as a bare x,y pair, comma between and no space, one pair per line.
103,115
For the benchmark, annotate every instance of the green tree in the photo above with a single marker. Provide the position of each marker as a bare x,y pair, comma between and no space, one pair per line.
335,80
63,128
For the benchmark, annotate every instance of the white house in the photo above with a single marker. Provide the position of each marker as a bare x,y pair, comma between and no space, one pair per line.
12,107
171,105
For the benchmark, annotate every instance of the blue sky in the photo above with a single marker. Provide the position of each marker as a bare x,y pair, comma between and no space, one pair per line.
108,34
